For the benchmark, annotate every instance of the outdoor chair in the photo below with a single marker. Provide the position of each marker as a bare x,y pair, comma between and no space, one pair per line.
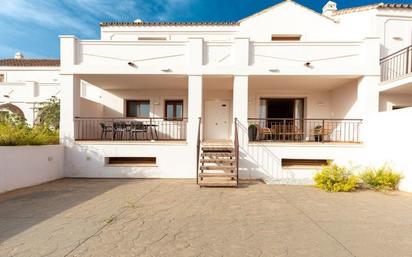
263,133
287,132
105,130
321,134
119,128
136,128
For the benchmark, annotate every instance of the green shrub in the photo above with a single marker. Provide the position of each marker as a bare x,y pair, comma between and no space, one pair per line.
381,179
333,178
12,135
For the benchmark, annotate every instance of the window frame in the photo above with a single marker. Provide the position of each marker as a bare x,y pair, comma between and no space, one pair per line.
137,101
175,104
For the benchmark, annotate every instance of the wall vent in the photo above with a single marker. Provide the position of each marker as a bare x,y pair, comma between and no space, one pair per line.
130,161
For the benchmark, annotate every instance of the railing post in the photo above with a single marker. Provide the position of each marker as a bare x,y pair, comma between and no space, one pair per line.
112,129
323,131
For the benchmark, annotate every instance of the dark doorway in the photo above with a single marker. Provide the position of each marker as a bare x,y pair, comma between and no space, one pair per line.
280,108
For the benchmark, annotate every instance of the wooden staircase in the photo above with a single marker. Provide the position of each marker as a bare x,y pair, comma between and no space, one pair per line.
218,165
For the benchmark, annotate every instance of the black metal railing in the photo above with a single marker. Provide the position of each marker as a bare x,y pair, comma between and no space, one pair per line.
397,64
305,130
136,129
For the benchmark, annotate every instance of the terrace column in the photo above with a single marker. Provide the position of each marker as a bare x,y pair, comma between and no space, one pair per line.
195,103
69,106
368,85
70,88
240,101
241,82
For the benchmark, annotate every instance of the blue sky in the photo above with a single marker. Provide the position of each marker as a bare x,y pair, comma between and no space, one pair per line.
33,26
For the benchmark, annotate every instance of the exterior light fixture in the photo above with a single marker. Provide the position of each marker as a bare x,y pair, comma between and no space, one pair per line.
167,70
132,64
6,96
274,70
309,65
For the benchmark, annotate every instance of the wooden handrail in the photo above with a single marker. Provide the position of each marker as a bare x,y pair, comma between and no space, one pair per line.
395,53
237,151
198,150
397,64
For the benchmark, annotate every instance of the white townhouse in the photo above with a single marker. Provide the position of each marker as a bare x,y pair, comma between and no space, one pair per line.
271,96
26,83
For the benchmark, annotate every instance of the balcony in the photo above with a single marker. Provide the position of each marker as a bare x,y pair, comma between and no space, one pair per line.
396,65
130,129
305,130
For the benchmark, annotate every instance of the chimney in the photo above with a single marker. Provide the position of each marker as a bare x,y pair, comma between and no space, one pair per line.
18,56
329,9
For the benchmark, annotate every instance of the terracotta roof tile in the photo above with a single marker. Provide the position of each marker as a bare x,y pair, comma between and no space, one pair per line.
168,23
373,6
30,62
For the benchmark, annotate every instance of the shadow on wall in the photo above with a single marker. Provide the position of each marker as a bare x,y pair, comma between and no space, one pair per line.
257,161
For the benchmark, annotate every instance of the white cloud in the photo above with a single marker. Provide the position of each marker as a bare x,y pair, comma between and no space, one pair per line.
44,13
31,21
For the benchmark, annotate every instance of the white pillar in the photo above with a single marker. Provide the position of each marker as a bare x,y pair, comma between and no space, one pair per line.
68,51
194,55
195,104
240,100
69,106
241,52
70,88
368,95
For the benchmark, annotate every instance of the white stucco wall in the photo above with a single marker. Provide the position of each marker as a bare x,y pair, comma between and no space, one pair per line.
24,166
387,101
35,74
388,141
173,160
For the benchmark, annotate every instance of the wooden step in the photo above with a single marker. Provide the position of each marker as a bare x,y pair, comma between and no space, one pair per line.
217,175
218,183
217,167
217,160
217,149
210,154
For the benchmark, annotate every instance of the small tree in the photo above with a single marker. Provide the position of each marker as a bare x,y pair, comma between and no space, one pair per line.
49,114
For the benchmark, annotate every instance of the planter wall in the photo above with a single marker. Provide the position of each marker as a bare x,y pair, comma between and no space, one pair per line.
24,166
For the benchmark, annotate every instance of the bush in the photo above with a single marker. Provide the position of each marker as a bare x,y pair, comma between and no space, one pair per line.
49,114
16,133
381,179
333,178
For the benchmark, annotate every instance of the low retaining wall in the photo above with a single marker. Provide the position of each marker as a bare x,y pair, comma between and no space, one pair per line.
24,166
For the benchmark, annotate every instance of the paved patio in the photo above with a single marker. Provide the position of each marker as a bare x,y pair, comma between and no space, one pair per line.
101,217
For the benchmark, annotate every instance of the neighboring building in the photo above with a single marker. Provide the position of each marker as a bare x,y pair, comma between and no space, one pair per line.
278,93
25,83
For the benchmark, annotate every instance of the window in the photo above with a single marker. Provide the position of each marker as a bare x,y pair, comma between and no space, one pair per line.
286,37
1,78
174,109
139,109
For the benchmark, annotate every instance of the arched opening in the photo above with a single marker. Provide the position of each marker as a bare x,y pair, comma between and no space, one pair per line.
11,108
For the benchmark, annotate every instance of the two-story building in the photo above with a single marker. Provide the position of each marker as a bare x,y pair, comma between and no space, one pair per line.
271,96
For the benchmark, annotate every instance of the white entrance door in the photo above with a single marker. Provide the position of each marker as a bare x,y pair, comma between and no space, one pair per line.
217,120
